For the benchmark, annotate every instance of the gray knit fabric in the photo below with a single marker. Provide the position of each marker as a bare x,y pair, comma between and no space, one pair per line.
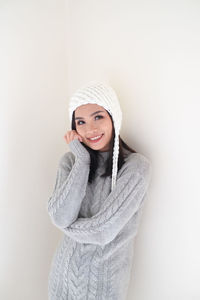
93,260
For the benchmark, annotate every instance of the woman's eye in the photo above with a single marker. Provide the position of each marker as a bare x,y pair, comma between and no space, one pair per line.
98,116
79,122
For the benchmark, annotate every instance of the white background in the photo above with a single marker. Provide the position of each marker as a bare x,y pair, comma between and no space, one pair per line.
149,52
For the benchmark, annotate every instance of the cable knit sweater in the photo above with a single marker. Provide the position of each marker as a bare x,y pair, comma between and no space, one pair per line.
94,258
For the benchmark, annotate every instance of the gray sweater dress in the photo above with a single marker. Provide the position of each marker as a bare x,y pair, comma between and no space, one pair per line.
94,258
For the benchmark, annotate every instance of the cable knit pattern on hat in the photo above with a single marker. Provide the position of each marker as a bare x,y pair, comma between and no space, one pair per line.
94,258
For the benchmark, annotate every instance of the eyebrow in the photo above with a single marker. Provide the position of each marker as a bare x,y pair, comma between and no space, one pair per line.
96,112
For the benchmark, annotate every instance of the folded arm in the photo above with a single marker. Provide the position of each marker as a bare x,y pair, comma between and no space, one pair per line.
121,204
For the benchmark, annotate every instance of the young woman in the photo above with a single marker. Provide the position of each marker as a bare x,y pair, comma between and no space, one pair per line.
101,186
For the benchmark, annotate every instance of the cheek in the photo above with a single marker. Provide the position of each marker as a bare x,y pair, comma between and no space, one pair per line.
108,127
79,131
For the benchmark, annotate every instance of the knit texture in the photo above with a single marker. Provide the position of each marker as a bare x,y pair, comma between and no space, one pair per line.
94,258
104,95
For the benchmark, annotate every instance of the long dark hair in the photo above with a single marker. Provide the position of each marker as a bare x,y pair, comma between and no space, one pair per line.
94,153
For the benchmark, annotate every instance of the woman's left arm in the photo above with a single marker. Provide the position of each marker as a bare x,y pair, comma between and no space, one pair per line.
121,204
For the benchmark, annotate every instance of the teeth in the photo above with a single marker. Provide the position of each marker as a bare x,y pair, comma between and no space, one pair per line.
95,138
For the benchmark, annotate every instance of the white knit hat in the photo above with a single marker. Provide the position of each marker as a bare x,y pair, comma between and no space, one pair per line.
102,94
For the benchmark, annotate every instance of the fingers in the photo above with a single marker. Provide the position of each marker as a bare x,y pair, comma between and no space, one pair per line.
72,135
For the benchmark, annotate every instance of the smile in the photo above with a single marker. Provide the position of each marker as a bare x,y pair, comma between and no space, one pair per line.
95,139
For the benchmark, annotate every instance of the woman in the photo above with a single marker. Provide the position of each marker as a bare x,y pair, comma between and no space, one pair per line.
97,201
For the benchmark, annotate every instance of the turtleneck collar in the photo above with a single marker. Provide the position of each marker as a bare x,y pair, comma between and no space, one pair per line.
103,156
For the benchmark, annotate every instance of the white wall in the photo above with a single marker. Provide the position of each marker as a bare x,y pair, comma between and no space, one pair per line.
149,52
33,69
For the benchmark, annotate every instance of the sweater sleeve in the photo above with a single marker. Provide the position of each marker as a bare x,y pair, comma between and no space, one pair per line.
121,204
70,187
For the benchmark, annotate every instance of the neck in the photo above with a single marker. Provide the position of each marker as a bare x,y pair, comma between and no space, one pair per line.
103,155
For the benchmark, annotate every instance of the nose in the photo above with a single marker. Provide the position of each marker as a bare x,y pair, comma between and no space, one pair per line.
91,128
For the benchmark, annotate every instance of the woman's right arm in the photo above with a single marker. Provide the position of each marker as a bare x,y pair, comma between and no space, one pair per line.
70,187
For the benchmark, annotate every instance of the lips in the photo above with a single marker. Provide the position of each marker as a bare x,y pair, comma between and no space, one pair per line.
96,140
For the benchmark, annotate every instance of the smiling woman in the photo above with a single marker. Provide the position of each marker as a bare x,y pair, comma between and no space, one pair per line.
95,126
97,201
95,151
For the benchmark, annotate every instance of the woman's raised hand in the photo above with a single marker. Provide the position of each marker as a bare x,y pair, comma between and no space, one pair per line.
78,150
72,135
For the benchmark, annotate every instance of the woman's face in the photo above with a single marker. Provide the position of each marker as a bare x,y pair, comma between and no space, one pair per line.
91,121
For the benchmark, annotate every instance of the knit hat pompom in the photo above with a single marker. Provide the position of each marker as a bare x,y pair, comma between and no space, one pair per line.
96,92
